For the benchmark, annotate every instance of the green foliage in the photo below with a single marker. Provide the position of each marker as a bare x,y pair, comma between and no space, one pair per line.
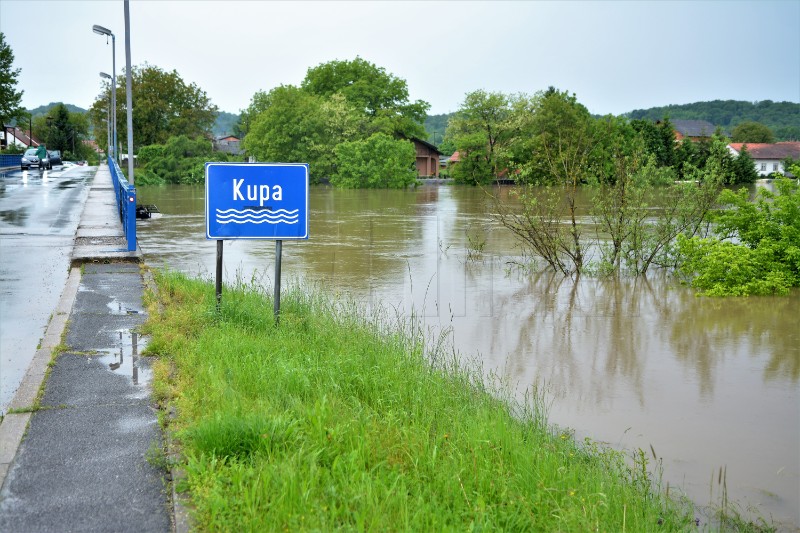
179,160
659,140
164,106
225,124
334,421
10,97
295,126
744,168
756,248
781,117
435,128
752,132
481,131
377,162
338,102
372,90
45,109
63,130
564,141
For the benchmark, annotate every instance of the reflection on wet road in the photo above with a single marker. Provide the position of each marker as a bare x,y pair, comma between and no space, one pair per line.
39,213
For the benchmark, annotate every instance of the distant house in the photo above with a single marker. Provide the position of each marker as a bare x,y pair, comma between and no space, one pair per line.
92,144
427,158
229,144
694,130
768,157
12,135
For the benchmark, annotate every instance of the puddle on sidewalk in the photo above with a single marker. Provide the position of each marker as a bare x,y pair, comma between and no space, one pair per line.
117,308
125,360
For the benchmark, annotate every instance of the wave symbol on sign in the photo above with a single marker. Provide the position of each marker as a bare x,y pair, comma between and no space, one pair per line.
257,216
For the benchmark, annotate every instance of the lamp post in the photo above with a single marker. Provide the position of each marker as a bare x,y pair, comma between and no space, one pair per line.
109,139
100,30
128,85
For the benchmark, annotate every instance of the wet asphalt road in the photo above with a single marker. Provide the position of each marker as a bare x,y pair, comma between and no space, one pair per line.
39,213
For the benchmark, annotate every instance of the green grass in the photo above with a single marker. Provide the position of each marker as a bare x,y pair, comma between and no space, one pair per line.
332,421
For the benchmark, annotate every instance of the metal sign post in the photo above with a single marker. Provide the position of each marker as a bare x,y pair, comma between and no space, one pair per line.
219,273
256,201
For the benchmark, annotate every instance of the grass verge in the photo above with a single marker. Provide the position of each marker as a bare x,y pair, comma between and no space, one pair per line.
336,421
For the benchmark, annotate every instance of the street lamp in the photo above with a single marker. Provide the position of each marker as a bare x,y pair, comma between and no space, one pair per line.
100,30
108,118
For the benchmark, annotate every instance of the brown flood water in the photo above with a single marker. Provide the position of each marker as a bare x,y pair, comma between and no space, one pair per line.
708,383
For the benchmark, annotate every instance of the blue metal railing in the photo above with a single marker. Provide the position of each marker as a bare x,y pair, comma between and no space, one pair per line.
126,203
10,160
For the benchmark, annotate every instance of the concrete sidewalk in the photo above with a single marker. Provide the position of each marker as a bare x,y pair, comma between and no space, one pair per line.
77,447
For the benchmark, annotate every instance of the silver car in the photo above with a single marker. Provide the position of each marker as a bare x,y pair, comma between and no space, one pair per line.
30,159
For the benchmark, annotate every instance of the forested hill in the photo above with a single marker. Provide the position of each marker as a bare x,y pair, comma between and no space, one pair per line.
43,109
224,124
783,118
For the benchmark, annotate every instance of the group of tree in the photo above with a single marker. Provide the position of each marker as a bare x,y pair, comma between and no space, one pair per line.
782,119
347,119
639,214
165,106
64,130
518,136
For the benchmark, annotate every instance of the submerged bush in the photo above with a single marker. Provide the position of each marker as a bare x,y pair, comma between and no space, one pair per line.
756,247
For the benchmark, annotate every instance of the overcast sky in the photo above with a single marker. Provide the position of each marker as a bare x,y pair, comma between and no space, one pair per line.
615,56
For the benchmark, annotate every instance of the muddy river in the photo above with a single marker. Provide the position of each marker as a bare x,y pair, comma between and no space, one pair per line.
709,384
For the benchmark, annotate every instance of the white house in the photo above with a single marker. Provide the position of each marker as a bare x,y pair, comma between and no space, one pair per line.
11,135
768,157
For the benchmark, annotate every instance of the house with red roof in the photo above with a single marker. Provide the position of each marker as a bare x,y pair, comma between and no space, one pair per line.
12,135
768,157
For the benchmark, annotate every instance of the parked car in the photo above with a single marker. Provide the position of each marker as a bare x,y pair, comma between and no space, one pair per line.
55,157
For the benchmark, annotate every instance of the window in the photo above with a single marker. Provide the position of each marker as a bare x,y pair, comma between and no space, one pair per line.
764,167
774,167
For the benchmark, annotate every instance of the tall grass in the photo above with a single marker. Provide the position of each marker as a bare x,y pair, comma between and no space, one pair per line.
336,421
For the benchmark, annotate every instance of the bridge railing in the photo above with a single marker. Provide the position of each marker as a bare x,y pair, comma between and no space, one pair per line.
126,203
10,160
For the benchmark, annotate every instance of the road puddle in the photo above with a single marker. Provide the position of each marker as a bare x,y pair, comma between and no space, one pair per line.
125,360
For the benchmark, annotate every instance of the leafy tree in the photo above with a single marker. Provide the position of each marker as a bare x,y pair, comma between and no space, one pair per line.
562,154
10,98
379,94
258,103
744,168
659,140
164,106
295,126
752,132
755,248
63,130
480,131
377,162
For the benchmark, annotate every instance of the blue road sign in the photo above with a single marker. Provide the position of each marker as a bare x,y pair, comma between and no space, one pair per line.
257,201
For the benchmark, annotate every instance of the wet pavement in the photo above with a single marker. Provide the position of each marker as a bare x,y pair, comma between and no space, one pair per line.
80,447
39,214
83,465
